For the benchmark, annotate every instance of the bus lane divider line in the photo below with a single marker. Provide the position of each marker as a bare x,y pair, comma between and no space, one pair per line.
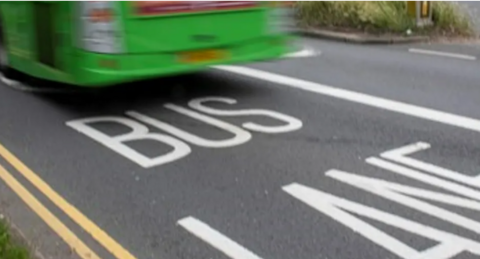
356,97
48,217
216,239
96,232
305,52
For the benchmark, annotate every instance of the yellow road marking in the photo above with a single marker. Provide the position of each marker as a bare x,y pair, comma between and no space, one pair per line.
103,238
68,236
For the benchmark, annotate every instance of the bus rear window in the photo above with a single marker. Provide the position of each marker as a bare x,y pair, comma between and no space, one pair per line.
142,8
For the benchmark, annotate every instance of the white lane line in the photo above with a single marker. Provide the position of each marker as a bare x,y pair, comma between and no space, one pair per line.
378,102
441,53
216,239
305,52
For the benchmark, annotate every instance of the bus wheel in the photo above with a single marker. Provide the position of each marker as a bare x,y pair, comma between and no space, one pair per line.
3,53
3,57
5,69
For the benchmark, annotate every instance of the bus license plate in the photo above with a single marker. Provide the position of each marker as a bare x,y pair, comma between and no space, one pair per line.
202,56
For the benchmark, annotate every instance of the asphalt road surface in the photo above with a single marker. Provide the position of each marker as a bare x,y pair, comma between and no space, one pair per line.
341,152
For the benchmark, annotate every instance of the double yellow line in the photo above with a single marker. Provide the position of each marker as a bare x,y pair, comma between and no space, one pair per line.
50,219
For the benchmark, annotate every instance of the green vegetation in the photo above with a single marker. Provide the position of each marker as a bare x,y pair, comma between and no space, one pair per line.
9,250
380,17
449,19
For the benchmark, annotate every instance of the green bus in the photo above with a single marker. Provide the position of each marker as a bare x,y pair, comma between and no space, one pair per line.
101,43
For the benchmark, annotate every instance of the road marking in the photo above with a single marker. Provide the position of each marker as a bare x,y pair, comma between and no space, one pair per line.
305,52
414,198
138,132
53,222
98,234
240,136
345,212
441,53
180,137
216,239
425,178
370,100
399,155
291,123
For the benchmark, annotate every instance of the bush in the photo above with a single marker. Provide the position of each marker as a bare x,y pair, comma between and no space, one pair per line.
8,250
449,19
379,16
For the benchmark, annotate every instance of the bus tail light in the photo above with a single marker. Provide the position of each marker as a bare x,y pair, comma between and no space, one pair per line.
98,27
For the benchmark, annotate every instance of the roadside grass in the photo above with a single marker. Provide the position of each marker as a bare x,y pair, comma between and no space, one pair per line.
8,248
450,19
382,17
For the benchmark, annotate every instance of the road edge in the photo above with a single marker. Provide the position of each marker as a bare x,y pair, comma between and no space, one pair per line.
357,38
18,237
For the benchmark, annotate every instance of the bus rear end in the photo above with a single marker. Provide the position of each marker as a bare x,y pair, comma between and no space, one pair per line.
123,41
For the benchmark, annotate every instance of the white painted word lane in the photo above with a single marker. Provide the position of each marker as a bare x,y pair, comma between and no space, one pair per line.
343,210
177,138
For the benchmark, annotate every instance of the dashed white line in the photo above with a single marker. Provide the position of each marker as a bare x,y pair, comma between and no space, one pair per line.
306,52
216,239
441,53
370,100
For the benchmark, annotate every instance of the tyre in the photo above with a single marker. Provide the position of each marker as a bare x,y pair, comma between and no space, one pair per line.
3,48
5,69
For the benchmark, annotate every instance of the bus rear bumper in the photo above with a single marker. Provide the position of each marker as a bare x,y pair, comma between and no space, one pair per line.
99,70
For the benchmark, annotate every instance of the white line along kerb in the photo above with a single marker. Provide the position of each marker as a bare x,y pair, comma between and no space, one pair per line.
442,54
370,100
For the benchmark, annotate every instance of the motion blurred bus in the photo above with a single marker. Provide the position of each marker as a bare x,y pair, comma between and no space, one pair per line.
101,43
